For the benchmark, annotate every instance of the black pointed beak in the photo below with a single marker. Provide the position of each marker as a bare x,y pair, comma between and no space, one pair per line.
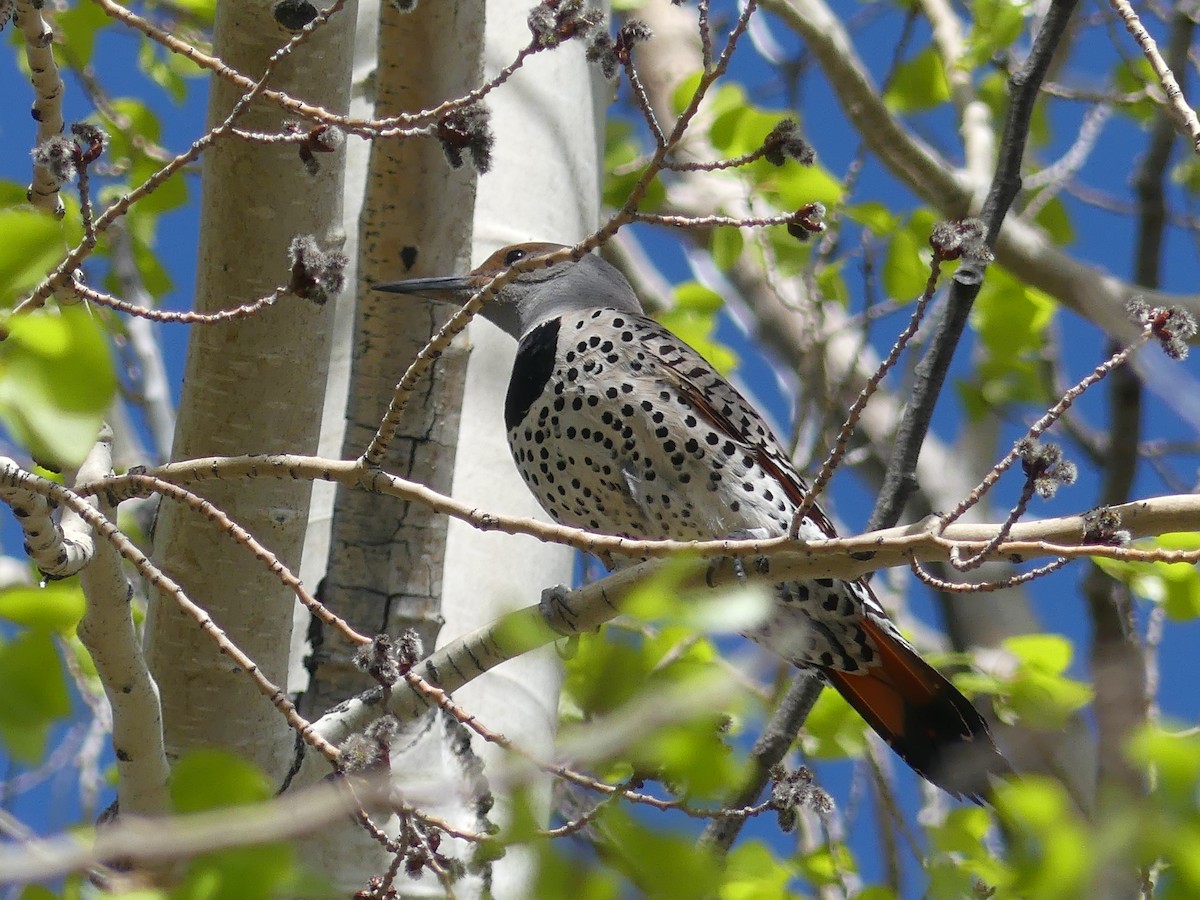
446,287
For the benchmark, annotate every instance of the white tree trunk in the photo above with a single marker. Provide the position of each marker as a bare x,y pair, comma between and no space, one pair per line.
384,559
250,386
544,185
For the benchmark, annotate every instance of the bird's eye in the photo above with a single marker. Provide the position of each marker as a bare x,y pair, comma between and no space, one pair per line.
513,255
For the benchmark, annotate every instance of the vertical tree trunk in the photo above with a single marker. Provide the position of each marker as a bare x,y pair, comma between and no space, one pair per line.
250,386
385,562
544,185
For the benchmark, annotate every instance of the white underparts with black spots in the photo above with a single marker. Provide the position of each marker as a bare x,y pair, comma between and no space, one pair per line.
633,433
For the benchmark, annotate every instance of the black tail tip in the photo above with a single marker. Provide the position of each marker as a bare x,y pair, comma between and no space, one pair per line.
967,769
948,743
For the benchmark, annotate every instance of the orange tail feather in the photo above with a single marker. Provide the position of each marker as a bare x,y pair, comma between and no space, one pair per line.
923,717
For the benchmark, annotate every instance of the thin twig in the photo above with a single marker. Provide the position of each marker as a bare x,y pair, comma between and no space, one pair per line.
983,587
774,741
1184,116
838,451
62,272
1038,428
241,536
900,479
13,477
185,317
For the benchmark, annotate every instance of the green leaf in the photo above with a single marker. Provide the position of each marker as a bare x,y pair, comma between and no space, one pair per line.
692,755
832,285
753,873
1131,75
211,779
694,319
659,863
876,892
1012,320
726,247
57,607
905,270
742,128
727,612
76,31
906,264
918,84
568,874
796,186
1050,653
833,730
1011,317
203,10
1038,693
603,674
698,298
1051,852
684,92
1053,217
1186,174
169,71
997,24
827,865
71,892
1176,586
874,216
126,149
56,382
262,872
962,856
962,831
1174,757
34,242
153,274
35,693
621,154
151,62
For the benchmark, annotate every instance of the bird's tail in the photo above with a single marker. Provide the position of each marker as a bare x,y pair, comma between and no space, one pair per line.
923,717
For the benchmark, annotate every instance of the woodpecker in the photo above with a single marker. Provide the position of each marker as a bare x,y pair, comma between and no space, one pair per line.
618,426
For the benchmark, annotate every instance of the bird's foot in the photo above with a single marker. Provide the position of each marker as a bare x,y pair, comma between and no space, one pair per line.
554,610
761,564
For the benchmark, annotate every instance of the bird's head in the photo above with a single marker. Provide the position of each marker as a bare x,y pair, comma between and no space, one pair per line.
544,292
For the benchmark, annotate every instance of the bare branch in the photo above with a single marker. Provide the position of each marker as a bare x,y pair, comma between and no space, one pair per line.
48,97
1183,115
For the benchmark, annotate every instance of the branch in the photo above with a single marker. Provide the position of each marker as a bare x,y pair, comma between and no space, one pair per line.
48,90
55,553
900,480
563,613
854,556
774,742
150,841
15,481
150,383
1020,246
108,633
1183,115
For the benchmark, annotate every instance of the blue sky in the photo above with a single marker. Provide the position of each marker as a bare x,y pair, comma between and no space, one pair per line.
1103,238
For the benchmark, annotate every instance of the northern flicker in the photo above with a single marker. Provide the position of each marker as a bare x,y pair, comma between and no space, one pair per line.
617,426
